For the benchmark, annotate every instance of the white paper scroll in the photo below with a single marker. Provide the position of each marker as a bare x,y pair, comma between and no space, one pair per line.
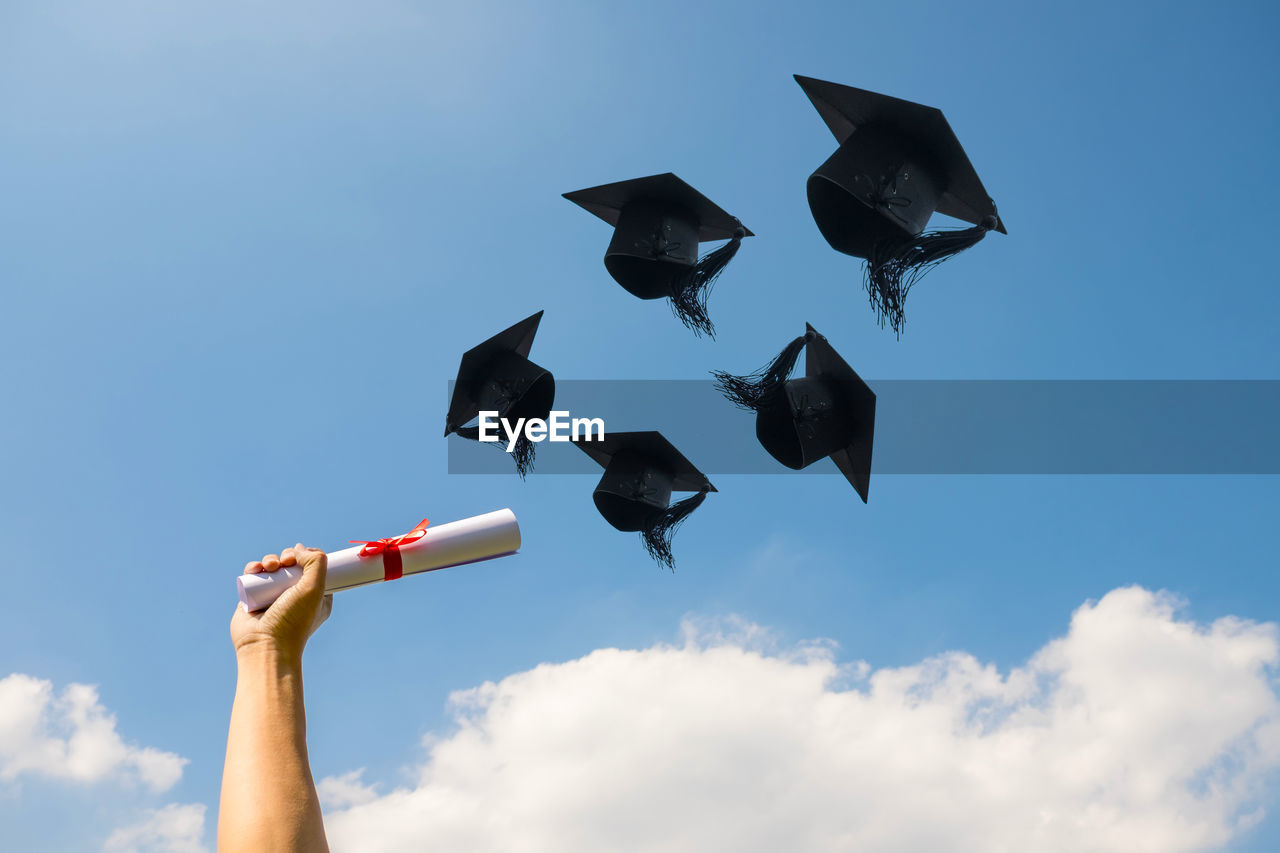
482,537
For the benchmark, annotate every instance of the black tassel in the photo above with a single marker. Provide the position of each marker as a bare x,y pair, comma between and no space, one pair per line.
661,528
522,453
690,292
753,390
895,265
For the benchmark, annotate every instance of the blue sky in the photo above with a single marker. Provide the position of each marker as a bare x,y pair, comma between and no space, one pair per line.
242,250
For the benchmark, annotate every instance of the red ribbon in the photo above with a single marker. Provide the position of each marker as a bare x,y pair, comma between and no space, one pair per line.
392,565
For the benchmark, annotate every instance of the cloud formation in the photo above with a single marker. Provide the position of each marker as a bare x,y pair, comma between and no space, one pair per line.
72,736
175,828
1135,731
341,792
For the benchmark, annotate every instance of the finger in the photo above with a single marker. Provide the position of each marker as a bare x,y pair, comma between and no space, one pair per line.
288,557
253,568
312,560
314,563
270,562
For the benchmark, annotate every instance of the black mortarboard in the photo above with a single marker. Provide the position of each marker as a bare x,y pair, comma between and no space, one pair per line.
828,412
641,470
658,223
897,163
497,376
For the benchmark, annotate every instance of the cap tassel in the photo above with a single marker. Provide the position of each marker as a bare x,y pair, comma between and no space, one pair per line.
691,290
895,265
522,453
661,528
754,389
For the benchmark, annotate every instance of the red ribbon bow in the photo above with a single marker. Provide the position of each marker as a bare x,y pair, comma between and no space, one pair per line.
392,565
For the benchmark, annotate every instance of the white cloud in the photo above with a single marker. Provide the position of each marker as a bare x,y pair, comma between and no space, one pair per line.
175,828
1133,732
72,736
340,792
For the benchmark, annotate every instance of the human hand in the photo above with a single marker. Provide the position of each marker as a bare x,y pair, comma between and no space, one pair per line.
284,627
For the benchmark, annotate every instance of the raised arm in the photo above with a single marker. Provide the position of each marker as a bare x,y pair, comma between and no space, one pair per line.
269,801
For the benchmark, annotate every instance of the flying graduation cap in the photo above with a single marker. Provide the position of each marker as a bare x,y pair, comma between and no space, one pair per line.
828,412
497,376
898,162
641,470
658,223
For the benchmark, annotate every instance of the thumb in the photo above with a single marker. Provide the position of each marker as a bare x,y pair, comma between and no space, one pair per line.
314,564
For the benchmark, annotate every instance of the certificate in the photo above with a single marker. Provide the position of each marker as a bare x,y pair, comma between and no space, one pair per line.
424,549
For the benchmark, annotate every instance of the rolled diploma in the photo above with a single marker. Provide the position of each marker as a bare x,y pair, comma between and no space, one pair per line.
481,537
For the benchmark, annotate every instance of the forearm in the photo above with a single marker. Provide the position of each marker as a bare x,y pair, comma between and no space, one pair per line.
269,799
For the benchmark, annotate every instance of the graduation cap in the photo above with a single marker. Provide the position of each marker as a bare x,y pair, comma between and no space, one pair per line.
828,412
641,470
898,162
497,376
658,223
